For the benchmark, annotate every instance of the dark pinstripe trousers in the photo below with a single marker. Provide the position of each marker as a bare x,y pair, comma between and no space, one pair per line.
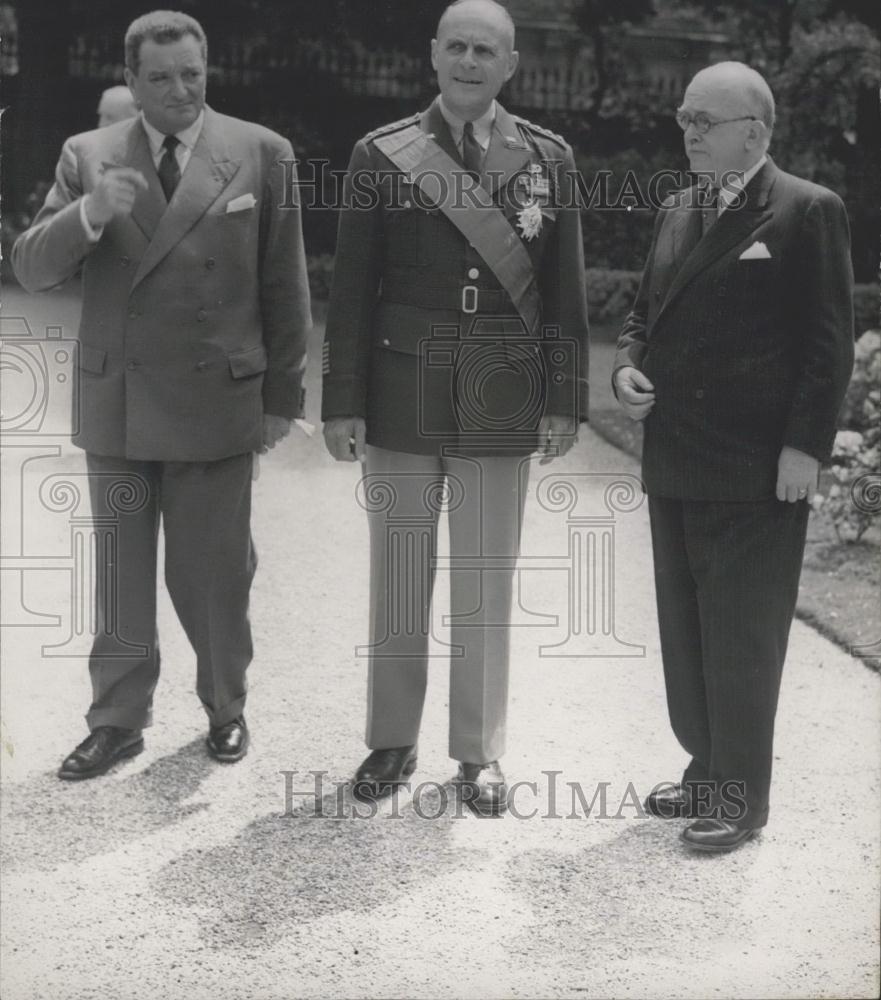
726,577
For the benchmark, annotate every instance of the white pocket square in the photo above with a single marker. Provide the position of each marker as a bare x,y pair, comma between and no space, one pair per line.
241,203
758,251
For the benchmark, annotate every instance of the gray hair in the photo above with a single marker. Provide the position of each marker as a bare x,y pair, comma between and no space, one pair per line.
161,26
754,88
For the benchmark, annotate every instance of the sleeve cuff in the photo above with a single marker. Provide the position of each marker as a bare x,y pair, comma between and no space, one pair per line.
93,234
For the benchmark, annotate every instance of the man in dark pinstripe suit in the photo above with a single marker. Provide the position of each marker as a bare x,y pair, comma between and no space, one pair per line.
736,355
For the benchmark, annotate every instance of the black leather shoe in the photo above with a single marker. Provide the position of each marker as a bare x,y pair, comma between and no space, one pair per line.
669,802
716,836
381,770
483,788
99,751
229,742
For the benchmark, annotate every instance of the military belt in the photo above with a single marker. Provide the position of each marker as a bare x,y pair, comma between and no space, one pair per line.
467,299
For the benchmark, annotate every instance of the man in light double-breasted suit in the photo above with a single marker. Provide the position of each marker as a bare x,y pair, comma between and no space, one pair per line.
192,350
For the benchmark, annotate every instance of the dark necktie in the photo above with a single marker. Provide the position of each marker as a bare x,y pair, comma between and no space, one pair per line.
710,214
472,154
169,171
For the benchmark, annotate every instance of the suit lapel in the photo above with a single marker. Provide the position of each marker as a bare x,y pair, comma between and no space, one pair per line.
208,172
733,226
508,153
133,150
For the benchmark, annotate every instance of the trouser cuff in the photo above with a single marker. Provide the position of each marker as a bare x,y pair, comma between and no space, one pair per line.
221,716
121,716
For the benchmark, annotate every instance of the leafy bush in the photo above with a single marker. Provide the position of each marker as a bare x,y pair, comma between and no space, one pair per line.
610,293
866,303
853,498
320,270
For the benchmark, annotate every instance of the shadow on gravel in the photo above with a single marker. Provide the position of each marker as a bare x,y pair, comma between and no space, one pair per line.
642,891
48,822
284,870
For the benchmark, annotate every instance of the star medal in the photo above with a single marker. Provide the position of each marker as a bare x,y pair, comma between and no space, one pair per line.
529,221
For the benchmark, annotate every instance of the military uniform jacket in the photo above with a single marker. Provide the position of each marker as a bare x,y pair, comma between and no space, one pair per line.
195,313
747,336
404,275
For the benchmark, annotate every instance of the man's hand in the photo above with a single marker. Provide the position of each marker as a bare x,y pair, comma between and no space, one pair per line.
345,438
556,435
796,475
274,429
114,195
636,394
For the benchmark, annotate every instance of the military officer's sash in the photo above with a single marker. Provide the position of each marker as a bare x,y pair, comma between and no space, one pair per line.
482,223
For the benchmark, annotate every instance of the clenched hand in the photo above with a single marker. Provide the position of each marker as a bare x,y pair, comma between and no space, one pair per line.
796,475
114,195
636,394
345,438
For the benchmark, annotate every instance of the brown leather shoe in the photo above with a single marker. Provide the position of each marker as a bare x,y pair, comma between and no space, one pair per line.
229,742
99,751
669,802
716,836
381,770
483,788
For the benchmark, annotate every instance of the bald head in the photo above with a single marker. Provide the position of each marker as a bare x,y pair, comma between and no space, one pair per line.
116,105
743,87
488,10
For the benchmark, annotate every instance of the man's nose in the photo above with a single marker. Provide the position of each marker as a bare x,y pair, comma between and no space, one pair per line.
469,59
177,87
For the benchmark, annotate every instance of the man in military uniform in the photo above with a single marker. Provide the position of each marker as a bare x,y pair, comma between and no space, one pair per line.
456,336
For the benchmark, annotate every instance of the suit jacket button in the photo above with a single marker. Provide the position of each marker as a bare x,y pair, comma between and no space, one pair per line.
386,342
125,261
133,314
132,365
474,274
210,263
657,294
699,394
201,315
201,365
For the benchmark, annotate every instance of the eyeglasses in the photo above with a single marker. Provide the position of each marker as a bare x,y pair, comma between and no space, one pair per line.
703,123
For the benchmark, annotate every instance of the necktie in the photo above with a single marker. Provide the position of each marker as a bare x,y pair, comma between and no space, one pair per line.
169,171
472,154
710,214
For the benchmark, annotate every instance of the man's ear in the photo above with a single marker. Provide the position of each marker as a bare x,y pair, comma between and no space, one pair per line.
434,54
513,63
755,136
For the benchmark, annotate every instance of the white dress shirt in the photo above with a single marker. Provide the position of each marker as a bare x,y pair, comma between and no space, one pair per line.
187,140
483,126
729,194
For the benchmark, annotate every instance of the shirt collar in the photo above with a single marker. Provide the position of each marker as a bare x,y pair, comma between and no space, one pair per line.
188,137
483,125
728,194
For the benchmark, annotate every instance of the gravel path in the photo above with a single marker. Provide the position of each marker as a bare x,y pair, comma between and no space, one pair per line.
175,877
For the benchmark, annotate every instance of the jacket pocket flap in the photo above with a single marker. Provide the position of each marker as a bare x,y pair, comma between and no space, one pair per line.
92,359
250,362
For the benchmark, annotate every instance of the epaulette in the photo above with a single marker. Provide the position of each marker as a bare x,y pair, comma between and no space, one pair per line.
546,132
393,127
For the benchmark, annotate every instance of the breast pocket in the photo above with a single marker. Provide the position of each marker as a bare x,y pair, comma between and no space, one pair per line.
411,229
751,280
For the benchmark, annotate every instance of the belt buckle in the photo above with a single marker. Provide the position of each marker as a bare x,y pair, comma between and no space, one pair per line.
469,299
